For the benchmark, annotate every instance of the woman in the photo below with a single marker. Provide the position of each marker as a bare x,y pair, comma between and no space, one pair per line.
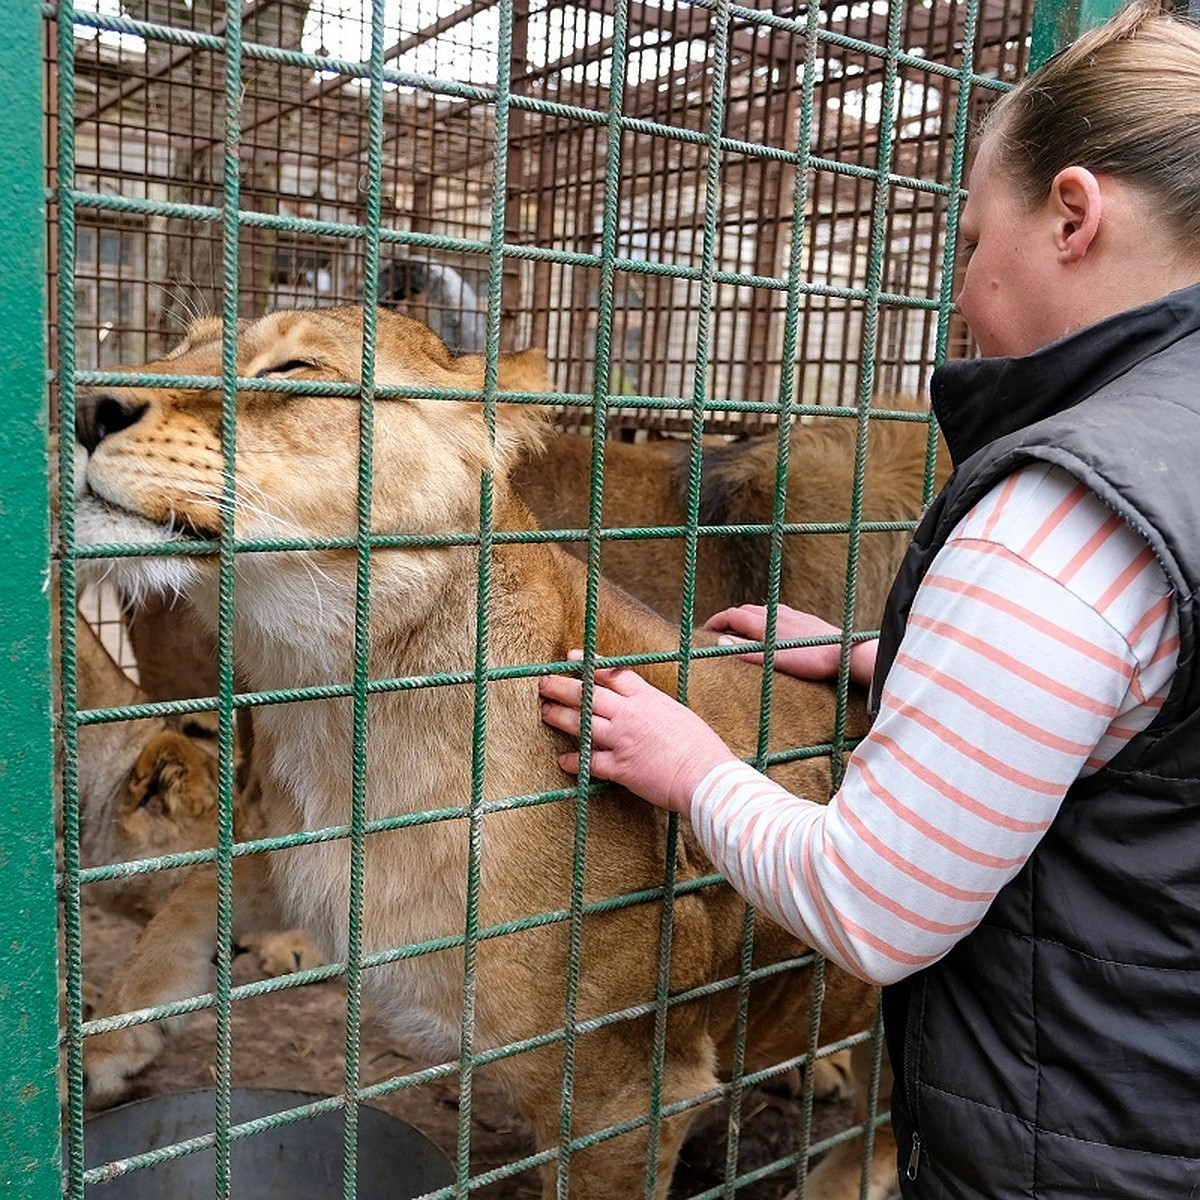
1015,850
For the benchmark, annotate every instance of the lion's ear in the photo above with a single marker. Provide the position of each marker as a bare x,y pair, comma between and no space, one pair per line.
171,778
199,331
521,428
523,371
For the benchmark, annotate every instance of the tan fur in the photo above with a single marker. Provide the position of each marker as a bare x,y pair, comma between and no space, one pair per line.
297,466
148,788
646,484
176,655
145,787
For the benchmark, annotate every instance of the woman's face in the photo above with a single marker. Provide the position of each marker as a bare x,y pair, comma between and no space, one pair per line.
1007,292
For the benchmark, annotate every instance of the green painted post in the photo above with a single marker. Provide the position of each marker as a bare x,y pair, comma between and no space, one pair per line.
29,1110
1057,23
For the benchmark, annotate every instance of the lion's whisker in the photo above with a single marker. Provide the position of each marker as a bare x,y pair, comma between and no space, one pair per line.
282,526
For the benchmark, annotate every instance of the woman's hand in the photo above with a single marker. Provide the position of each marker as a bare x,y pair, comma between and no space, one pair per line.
641,738
748,622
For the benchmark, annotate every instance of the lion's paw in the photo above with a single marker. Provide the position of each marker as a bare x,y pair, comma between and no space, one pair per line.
111,1060
281,953
833,1078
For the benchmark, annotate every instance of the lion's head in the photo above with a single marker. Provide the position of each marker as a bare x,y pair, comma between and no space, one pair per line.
156,464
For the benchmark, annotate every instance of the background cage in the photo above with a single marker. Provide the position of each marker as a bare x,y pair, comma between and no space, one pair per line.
148,131
696,209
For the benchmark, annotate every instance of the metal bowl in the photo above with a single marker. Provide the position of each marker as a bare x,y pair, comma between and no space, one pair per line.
297,1161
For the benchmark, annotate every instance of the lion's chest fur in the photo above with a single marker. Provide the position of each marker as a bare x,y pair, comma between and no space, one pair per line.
416,755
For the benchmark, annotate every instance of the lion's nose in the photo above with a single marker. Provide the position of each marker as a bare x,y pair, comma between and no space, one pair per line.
103,414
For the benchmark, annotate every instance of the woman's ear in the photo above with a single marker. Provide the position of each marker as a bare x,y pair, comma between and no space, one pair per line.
1076,203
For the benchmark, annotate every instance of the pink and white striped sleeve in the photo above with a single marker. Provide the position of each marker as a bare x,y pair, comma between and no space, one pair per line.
1042,638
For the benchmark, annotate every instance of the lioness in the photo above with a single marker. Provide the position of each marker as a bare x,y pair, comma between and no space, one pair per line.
646,484
155,473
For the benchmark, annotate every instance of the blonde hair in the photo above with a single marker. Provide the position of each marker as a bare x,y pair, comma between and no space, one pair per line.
1124,100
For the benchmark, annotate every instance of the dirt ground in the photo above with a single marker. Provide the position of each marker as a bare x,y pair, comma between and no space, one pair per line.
295,1039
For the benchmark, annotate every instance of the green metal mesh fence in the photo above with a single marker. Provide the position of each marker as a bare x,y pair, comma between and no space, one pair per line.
718,220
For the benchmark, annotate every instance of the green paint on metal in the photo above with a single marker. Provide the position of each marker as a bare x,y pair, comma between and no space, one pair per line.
1057,23
601,384
366,435
68,691
29,1112
230,229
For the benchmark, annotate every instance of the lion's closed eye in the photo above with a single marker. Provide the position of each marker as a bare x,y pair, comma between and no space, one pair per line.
284,368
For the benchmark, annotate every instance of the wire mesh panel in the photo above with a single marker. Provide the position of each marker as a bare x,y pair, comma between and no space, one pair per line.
149,127
323,743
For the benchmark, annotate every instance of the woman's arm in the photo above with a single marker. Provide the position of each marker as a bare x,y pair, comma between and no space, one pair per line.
749,622
1009,684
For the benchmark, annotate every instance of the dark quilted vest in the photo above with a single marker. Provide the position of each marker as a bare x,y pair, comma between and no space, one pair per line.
1055,1051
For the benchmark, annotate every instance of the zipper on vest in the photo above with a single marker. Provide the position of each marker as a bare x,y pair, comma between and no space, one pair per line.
914,1158
912,1036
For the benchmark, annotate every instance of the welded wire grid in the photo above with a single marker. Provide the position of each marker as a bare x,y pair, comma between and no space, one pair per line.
713,217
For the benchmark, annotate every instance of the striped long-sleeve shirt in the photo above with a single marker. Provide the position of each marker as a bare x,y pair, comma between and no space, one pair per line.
1042,638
